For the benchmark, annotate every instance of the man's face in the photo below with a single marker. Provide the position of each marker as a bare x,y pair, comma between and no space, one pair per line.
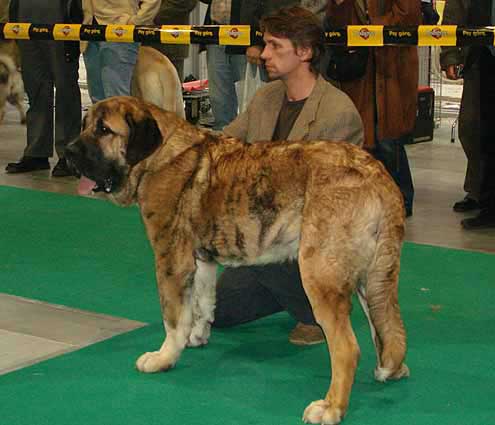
281,57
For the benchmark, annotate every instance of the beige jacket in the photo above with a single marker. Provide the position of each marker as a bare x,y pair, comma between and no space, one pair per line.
132,12
328,114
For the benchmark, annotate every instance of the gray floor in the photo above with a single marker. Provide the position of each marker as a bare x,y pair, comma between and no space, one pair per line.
31,331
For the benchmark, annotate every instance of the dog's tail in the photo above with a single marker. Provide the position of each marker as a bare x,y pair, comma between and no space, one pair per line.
4,74
379,297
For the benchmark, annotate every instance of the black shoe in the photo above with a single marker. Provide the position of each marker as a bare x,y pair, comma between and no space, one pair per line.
27,164
484,220
62,169
467,204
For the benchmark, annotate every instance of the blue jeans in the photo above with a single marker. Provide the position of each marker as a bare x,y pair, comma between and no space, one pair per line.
109,68
223,72
394,156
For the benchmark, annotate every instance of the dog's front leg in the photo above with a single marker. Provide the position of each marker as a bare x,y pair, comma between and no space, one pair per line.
203,301
175,299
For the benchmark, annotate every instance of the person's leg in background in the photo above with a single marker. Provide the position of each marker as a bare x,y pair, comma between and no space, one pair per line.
38,82
241,299
92,63
117,65
469,136
179,66
245,294
65,63
223,72
393,155
486,216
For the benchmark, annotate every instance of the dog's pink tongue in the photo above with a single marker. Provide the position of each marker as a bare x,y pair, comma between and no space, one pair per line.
85,186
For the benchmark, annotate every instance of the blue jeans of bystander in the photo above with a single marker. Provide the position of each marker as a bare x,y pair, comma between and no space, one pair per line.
224,71
109,68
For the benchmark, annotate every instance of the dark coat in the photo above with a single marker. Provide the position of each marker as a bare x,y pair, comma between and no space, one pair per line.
464,13
394,101
248,12
174,12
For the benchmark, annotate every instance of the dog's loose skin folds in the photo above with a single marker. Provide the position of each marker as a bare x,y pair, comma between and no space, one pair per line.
207,199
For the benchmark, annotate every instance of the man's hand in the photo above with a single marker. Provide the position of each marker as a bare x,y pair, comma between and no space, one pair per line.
253,54
452,72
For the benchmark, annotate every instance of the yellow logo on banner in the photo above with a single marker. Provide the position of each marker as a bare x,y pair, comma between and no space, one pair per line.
365,35
175,34
66,31
437,35
16,31
234,35
123,33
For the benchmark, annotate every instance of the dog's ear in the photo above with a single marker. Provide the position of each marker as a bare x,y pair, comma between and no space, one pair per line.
144,138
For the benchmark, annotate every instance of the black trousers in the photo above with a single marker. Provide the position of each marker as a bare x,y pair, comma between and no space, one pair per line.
44,67
393,155
249,293
487,108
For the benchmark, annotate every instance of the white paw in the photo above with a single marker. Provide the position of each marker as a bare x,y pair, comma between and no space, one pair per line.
153,362
197,341
320,412
382,373
199,336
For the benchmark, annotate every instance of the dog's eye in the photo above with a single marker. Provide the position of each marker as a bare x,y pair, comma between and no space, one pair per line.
102,129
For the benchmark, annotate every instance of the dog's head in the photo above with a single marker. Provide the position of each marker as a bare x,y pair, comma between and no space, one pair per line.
118,133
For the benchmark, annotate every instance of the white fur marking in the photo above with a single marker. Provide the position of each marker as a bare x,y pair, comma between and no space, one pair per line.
203,303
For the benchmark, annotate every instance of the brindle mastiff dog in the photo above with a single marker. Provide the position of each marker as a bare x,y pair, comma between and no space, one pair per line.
208,199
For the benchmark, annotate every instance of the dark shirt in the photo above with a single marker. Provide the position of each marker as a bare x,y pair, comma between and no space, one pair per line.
287,117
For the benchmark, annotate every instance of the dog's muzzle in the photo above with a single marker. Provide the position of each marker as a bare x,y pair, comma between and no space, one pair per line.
75,154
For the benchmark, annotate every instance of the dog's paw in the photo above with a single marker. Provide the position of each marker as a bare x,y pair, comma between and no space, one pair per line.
153,362
197,341
321,412
382,374
199,336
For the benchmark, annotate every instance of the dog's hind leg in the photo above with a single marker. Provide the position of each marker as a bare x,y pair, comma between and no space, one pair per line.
379,299
361,293
203,303
175,277
22,113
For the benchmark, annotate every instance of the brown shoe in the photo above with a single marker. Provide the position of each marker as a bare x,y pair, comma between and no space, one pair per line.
306,335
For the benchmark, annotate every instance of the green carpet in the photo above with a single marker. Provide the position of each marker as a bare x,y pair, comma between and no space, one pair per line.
92,255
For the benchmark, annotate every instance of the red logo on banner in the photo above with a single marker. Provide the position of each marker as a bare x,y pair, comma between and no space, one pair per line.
364,33
175,33
234,33
119,32
16,29
436,33
66,30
